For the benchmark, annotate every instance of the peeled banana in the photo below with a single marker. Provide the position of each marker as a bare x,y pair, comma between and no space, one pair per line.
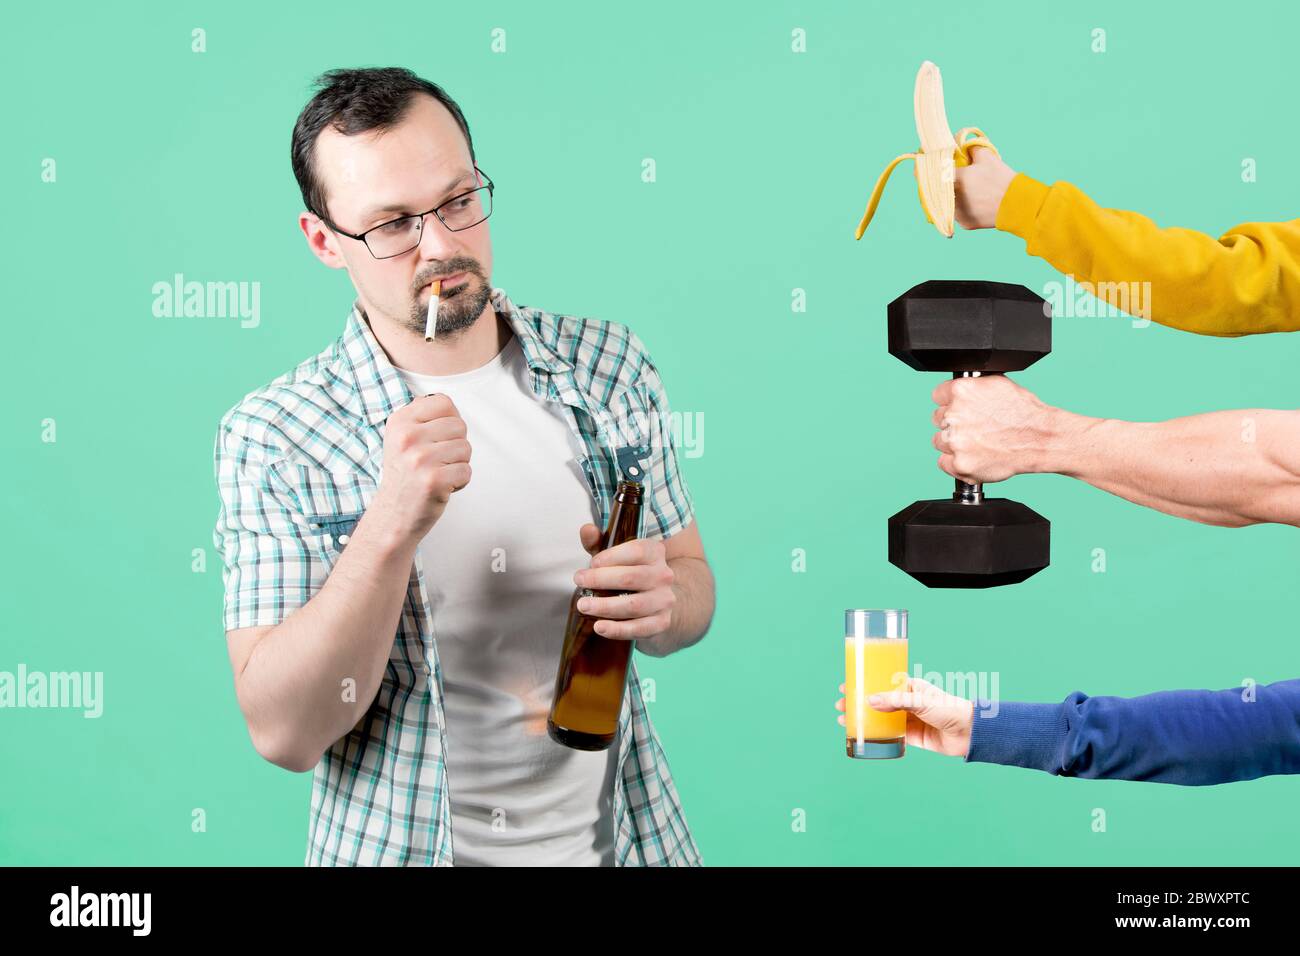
937,159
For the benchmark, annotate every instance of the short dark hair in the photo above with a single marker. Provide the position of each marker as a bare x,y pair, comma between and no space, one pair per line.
352,102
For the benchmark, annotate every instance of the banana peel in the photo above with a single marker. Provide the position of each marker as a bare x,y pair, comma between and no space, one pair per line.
937,159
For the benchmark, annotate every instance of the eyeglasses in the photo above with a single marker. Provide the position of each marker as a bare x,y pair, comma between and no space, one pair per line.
401,235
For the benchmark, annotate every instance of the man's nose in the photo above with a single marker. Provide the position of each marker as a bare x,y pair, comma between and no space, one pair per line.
436,240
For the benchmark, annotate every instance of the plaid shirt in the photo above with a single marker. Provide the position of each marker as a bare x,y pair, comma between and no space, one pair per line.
297,462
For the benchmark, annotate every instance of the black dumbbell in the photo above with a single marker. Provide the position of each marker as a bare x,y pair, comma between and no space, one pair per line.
969,329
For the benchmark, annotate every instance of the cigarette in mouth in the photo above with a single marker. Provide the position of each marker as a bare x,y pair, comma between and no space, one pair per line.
431,322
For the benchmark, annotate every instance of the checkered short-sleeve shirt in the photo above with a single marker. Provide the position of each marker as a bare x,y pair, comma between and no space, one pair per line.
297,462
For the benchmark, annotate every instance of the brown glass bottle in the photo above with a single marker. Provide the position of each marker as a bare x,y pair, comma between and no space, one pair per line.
592,675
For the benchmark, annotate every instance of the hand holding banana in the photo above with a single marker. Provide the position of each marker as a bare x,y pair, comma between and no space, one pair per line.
944,162
980,188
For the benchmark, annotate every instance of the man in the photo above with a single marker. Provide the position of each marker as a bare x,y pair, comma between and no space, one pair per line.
1229,468
395,618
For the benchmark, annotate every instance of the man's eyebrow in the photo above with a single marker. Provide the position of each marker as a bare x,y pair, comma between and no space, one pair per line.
403,207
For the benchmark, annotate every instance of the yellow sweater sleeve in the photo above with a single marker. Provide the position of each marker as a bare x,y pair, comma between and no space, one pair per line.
1246,281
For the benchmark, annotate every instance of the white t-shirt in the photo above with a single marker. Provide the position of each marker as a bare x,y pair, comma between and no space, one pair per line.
517,797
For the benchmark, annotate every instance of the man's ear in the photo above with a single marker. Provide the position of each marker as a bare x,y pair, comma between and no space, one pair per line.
318,241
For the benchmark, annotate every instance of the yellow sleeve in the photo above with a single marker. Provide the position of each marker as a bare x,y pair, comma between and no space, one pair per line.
1244,282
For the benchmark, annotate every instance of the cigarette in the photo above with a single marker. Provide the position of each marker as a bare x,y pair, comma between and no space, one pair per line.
431,322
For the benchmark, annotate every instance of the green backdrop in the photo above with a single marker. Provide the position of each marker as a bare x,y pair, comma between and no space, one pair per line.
171,161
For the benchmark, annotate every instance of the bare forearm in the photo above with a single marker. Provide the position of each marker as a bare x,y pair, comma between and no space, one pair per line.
293,688
1229,468
692,612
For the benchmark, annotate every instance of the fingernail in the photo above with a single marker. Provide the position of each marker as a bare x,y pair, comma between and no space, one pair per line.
584,605
577,578
875,699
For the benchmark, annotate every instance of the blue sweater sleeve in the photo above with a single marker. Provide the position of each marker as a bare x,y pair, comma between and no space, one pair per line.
1189,737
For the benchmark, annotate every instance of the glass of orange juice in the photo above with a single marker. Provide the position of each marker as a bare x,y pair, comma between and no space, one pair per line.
875,660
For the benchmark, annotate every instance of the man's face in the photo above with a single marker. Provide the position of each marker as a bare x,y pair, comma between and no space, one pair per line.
373,178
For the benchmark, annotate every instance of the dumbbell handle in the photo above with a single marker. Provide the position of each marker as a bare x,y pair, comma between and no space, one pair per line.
967,493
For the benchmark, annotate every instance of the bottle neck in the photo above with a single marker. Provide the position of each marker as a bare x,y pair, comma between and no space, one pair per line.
630,492
624,515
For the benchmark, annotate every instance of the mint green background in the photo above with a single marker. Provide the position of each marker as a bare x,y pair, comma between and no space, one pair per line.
171,162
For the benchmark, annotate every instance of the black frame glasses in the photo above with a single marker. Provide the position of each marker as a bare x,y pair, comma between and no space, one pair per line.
436,210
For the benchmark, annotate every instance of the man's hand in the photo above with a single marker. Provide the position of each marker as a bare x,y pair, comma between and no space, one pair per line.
990,429
980,188
1230,468
639,566
936,720
426,459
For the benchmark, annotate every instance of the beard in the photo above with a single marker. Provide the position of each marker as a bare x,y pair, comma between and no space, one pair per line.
459,307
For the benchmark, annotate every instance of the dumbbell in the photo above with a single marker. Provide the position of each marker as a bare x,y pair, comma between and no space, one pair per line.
969,329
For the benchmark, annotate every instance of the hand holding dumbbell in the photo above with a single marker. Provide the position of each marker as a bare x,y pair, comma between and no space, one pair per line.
990,429
973,330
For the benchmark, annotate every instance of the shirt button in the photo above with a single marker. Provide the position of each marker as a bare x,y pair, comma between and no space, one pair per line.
344,539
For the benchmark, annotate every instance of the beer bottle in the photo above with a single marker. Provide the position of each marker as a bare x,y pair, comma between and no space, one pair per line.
593,669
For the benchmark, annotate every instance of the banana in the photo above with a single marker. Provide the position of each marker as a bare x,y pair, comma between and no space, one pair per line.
936,160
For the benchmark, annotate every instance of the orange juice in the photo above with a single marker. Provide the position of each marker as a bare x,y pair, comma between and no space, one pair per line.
873,665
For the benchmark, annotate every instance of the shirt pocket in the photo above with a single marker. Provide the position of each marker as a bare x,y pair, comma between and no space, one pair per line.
331,504
335,530
633,414
642,421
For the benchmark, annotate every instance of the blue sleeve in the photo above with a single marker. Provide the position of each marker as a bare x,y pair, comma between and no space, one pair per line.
1188,737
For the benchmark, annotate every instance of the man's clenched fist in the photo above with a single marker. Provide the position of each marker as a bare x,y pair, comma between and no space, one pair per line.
426,458
990,428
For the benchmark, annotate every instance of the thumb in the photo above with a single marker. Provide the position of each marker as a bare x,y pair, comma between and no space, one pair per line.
589,535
